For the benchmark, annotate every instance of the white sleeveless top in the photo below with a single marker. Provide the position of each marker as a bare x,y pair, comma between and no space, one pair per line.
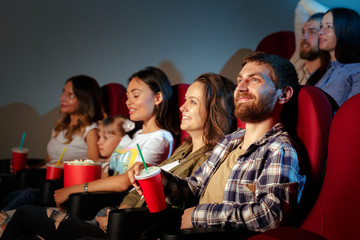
76,149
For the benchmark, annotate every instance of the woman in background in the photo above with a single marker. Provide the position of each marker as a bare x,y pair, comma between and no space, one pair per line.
81,108
340,36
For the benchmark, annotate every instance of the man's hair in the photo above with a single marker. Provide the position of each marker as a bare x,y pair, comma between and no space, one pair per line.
316,17
282,72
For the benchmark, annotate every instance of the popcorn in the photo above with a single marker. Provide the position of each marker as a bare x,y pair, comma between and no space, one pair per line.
81,162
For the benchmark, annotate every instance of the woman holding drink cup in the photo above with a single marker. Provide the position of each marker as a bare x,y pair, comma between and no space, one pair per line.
81,108
76,130
207,117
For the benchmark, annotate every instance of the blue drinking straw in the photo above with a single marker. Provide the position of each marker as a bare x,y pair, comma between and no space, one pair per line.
142,158
22,141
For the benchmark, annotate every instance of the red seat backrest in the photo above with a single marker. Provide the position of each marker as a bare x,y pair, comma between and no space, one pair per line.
313,127
114,99
336,211
313,119
314,116
279,43
312,123
179,90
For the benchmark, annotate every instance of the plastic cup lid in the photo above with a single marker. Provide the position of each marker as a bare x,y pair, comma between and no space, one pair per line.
150,172
17,149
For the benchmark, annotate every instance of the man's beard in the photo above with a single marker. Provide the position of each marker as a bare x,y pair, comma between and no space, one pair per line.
255,111
309,55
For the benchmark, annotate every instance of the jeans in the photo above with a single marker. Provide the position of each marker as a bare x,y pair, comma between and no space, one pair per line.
19,198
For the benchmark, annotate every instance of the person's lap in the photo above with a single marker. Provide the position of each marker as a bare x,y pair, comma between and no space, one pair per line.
49,224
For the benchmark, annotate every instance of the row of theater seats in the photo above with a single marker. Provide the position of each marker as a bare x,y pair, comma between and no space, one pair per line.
314,117
86,205
312,123
328,209
335,212
281,43
114,100
114,96
329,159
313,120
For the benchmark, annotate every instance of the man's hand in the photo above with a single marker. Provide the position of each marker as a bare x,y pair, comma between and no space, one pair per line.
186,218
135,171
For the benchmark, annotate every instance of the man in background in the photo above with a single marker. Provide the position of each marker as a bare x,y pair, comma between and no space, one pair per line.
306,58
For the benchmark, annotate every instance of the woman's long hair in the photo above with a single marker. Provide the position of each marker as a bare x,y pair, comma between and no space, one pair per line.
347,50
219,100
347,32
319,73
157,80
88,94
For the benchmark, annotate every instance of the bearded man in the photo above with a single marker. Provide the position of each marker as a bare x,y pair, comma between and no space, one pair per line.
310,59
252,179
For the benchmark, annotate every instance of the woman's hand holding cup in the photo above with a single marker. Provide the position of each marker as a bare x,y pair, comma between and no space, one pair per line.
135,170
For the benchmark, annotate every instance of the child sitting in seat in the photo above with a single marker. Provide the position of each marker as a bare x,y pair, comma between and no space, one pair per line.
111,131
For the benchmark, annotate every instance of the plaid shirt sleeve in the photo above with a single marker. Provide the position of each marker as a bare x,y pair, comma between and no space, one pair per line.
259,194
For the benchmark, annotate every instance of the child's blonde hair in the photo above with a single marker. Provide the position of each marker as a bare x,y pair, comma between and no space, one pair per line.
117,125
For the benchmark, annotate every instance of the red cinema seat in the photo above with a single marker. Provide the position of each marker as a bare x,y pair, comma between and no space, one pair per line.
311,124
114,99
335,213
280,43
179,91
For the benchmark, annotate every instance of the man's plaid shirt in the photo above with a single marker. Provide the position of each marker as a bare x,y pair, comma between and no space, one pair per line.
263,187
